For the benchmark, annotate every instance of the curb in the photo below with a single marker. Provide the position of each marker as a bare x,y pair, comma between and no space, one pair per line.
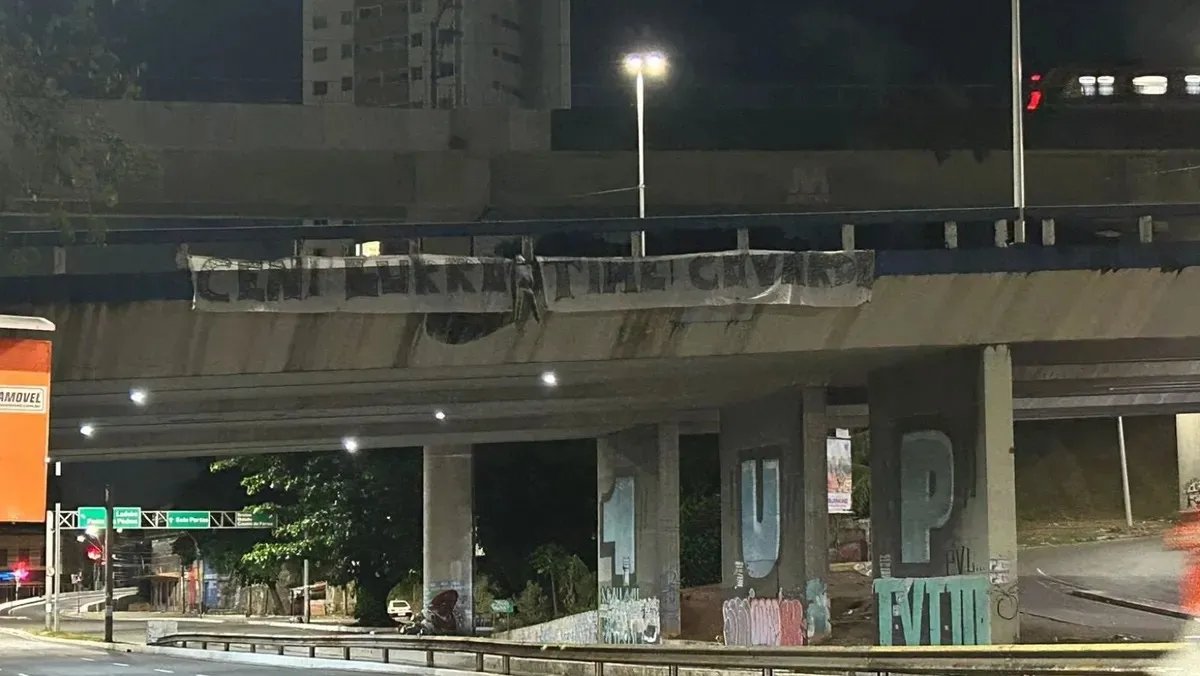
254,659
1144,605
1163,609
330,628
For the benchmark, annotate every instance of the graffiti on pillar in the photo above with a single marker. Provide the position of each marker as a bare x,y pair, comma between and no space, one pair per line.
446,606
816,609
669,600
926,491
1191,494
760,516
618,563
628,619
934,610
960,561
764,621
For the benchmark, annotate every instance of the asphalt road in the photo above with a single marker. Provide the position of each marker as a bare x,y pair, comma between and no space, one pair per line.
1132,569
26,657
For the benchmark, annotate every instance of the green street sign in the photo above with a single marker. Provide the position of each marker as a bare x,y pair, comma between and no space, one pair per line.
188,520
123,517
254,520
502,607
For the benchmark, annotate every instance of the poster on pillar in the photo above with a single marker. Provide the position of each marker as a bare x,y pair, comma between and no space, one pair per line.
420,283
809,278
840,479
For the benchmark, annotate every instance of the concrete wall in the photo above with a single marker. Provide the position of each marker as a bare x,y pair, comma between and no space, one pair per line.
353,162
97,341
579,629
248,127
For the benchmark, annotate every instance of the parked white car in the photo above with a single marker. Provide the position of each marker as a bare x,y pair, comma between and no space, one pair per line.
399,609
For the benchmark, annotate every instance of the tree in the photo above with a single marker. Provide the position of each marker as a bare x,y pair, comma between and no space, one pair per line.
357,516
59,156
548,560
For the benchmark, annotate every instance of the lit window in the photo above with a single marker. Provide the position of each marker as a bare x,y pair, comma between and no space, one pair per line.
1150,85
320,22
1192,84
1087,85
1106,84
320,54
320,88
367,249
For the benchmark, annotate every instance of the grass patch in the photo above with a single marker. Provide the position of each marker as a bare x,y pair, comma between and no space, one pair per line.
69,636
1074,531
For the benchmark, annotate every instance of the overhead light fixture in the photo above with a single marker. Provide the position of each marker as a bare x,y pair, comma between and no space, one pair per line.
439,414
350,444
87,429
549,379
138,397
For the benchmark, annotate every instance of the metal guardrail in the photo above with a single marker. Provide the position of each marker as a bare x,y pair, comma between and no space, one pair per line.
1021,660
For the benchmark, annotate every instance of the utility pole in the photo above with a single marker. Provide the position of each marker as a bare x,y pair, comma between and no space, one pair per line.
307,596
58,563
108,564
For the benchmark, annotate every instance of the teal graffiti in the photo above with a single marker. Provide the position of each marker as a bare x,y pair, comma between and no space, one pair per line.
920,603
617,530
926,491
816,608
760,516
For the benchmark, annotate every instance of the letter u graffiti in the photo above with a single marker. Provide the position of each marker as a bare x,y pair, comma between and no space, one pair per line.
926,491
760,516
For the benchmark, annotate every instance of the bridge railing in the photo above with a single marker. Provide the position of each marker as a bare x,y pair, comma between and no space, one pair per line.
497,657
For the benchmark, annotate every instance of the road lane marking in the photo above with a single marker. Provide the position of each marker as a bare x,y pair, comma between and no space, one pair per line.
164,671
120,664
87,659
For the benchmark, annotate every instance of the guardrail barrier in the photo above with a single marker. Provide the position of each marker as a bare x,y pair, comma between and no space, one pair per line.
1020,660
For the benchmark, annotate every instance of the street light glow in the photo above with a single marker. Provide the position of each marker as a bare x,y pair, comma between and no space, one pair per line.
549,379
439,414
649,64
138,397
87,430
92,531
350,444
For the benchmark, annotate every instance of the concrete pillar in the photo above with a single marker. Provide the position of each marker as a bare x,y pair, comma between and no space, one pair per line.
775,518
943,499
449,531
1187,445
637,480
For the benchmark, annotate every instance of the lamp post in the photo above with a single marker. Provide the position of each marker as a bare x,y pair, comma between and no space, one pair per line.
642,65
1018,125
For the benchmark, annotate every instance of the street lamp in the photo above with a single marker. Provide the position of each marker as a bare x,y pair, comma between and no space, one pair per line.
1018,125
642,65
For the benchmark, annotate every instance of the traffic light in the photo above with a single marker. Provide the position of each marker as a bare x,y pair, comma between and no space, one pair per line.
21,571
94,553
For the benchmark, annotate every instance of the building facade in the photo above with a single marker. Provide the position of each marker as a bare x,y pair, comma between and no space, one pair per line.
438,53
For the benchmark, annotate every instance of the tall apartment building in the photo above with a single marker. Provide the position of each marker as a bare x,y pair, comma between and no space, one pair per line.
438,53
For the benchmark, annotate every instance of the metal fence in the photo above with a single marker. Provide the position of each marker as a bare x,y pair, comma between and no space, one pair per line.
503,657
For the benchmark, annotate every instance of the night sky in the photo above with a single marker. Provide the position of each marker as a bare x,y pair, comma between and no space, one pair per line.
250,49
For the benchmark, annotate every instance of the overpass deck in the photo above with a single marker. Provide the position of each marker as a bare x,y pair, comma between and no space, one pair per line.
1095,331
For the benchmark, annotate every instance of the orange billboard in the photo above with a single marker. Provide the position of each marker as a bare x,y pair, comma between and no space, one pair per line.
24,428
